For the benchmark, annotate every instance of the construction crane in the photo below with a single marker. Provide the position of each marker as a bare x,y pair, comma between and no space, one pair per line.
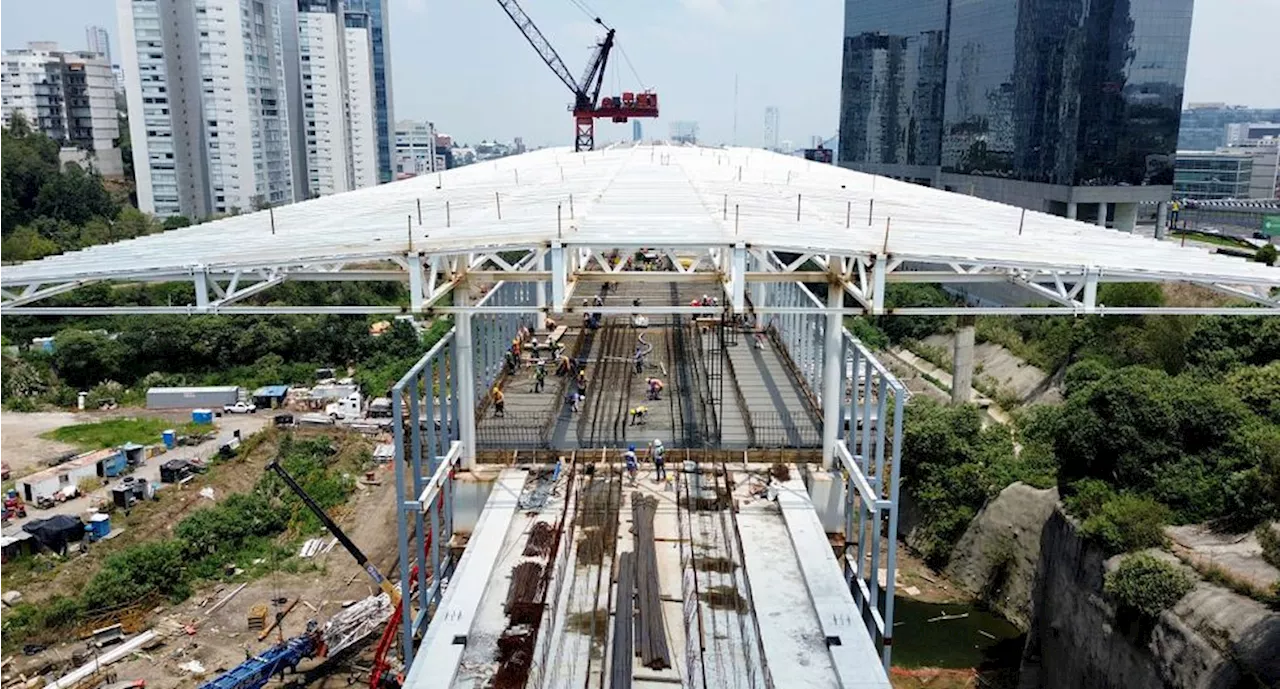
347,543
587,106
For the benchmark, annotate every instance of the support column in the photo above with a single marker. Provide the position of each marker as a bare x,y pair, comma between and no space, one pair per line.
832,389
1102,214
1071,210
1126,217
962,360
1162,219
540,298
202,289
415,283
465,380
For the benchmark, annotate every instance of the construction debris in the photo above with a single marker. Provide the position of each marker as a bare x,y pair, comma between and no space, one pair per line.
192,667
355,622
279,618
119,652
225,598
317,546
258,617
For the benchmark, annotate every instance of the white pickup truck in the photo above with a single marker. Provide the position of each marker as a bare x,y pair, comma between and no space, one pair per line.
239,408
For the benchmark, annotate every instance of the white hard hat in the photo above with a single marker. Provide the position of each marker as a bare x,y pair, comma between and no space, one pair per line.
657,442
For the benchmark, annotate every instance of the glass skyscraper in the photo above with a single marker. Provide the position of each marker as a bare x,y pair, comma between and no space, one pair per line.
999,98
380,41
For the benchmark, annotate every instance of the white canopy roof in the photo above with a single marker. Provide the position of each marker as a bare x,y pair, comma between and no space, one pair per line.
670,196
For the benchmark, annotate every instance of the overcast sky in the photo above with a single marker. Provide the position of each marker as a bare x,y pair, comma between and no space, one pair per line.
463,65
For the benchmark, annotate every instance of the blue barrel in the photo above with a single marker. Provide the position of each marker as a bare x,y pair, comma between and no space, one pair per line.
202,416
170,438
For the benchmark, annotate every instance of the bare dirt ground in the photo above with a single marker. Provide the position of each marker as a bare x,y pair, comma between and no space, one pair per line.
221,640
21,445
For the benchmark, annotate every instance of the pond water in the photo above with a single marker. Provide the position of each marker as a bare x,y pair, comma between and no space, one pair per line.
979,639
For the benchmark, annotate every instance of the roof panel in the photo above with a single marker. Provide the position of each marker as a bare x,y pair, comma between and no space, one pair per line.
646,194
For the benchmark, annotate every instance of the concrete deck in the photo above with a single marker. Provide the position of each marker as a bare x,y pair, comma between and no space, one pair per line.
800,626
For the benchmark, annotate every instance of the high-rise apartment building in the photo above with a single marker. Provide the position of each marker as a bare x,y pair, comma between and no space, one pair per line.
361,100
69,96
336,98
1204,126
379,24
771,128
97,40
416,152
207,92
1065,106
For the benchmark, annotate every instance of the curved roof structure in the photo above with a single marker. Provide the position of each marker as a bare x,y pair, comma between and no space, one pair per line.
681,199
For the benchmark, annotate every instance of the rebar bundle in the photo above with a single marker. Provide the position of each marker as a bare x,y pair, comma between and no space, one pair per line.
624,625
651,639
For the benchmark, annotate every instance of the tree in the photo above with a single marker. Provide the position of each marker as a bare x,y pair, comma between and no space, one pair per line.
1259,387
26,244
1267,254
84,358
75,196
29,160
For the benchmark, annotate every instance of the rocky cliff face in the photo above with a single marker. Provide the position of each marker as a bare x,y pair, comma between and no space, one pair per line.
996,559
1211,639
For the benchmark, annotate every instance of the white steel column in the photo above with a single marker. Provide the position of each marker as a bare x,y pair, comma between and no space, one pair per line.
465,379
559,276
832,389
415,283
202,289
540,299
738,277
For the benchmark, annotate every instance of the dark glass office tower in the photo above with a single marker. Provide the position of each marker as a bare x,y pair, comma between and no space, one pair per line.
893,80
380,43
1048,104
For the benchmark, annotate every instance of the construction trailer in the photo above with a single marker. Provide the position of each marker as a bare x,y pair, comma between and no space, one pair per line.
191,398
48,482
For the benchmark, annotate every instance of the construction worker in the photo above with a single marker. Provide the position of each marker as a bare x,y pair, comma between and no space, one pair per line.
539,376
575,399
639,415
599,300
639,358
582,380
629,458
499,403
655,388
551,324
658,454
565,365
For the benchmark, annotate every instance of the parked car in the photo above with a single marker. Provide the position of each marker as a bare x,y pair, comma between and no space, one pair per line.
239,408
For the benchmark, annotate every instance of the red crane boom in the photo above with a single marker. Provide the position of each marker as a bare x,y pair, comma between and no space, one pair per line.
587,105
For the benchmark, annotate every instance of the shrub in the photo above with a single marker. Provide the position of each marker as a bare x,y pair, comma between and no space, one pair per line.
1270,542
137,572
1086,497
1126,523
1146,584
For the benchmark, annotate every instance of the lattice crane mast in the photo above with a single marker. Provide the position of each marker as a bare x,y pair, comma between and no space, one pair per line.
587,105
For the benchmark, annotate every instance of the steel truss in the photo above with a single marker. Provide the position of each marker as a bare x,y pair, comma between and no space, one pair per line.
563,265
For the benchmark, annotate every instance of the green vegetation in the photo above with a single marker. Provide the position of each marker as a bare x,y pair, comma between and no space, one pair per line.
1267,254
956,465
1146,584
116,432
205,350
48,209
1215,239
1270,543
238,531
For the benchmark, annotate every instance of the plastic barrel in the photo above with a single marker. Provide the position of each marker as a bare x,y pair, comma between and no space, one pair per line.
170,438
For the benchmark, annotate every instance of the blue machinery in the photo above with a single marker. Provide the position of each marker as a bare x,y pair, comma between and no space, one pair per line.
443,391
256,671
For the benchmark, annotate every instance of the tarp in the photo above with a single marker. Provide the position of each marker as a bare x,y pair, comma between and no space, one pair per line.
55,532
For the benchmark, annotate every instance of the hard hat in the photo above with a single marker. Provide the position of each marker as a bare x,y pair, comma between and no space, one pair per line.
657,442
632,447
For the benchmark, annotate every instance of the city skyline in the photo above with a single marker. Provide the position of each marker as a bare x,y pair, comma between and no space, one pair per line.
772,46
